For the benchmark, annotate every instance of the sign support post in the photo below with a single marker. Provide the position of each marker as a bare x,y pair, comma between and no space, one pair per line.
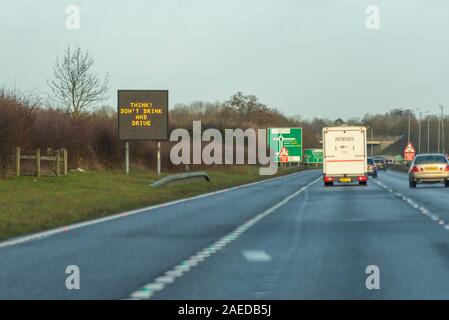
158,158
127,157
142,116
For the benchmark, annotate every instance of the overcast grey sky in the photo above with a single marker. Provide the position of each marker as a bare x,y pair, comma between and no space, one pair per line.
313,58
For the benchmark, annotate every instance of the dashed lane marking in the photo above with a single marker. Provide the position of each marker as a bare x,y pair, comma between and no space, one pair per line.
256,256
185,266
415,205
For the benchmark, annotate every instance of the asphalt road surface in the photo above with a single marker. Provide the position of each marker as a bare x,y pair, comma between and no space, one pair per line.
287,238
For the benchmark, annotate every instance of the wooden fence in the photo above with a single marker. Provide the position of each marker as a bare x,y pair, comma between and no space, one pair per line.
53,158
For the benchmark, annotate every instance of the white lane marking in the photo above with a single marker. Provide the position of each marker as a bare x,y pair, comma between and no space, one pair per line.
413,204
48,233
149,290
256,256
154,286
165,279
139,296
174,273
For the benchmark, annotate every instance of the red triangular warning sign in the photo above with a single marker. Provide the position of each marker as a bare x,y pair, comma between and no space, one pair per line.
283,152
409,148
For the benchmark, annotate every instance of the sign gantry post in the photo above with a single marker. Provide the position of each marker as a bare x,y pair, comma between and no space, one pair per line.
142,116
158,158
127,157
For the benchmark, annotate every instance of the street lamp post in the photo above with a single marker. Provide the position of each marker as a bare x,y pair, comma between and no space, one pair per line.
428,133
409,123
369,128
421,113
443,149
419,132
439,128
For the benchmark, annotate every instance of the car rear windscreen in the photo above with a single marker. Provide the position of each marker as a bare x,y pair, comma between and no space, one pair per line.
430,159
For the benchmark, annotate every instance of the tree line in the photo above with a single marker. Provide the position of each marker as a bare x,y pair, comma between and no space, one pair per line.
91,134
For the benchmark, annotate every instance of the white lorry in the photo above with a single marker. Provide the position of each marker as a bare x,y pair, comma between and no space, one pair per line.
344,155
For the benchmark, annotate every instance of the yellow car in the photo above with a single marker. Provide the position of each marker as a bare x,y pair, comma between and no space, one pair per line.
429,168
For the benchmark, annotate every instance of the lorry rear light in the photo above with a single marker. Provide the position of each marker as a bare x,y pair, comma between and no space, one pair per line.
362,178
415,169
328,179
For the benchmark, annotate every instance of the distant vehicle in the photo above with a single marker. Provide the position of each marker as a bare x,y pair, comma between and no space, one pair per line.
344,155
372,168
380,163
429,168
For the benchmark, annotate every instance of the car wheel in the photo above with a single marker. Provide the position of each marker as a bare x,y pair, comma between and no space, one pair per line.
446,184
412,184
375,176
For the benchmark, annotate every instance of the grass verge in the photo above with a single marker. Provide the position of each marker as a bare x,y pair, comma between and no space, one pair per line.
30,205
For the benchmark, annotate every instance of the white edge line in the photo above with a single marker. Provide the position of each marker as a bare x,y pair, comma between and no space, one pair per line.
51,232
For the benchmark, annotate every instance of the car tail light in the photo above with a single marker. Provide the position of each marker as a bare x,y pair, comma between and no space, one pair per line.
415,169
446,168
328,179
362,178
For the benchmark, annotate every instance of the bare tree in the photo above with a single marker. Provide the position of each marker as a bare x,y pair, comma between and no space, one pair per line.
245,105
75,85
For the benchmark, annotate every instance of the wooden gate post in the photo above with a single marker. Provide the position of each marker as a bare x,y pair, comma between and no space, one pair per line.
65,161
58,163
38,162
18,161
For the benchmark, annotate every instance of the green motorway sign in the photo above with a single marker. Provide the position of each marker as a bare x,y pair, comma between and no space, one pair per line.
286,143
313,155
